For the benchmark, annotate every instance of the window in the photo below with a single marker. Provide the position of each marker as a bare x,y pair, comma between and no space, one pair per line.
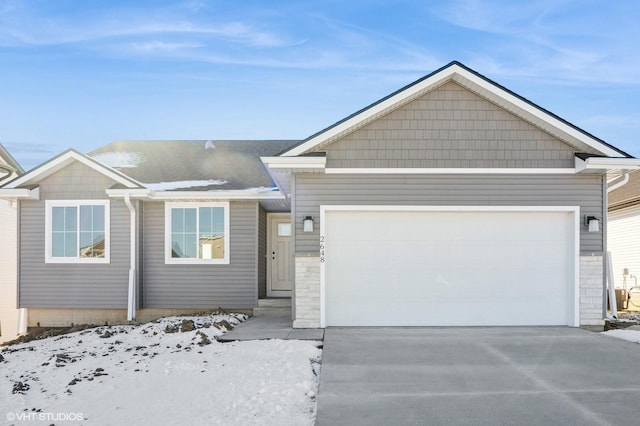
77,231
197,233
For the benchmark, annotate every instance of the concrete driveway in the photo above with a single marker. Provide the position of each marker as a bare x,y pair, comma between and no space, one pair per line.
478,376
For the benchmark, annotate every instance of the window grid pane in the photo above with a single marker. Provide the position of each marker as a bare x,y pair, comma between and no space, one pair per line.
197,233
78,231
184,233
211,233
64,225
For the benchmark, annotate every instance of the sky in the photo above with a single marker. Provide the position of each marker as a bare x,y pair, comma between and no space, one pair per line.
83,74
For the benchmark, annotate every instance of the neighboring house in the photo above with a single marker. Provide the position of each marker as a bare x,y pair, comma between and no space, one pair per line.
623,239
452,201
9,314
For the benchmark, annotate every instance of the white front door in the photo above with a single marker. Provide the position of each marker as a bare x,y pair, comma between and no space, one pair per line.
279,277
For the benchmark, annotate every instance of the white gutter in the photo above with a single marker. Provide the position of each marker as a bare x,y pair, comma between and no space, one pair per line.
131,307
239,194
623,182
319,162
20,193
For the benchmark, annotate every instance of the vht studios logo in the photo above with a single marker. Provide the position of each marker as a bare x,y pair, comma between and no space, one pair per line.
44,417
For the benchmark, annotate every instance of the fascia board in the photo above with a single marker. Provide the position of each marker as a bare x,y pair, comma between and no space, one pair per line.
64,160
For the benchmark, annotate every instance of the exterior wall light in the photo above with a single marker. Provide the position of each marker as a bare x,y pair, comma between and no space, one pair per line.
307,224
593,223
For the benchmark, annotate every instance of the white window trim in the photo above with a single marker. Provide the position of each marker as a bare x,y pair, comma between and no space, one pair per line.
167,234
49,204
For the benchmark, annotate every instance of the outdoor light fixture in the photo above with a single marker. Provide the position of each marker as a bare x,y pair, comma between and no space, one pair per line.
593,223
307,224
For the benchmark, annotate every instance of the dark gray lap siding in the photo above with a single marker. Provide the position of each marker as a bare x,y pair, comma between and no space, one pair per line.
202,286
72,285
313,190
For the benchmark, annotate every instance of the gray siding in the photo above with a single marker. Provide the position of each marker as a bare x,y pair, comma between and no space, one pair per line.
313,190
262,253
449,127
72,285
202,286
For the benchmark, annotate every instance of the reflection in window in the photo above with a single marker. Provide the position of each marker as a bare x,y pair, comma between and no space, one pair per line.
78,231
197,233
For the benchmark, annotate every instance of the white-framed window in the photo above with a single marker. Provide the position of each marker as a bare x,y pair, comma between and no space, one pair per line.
196,233
77,231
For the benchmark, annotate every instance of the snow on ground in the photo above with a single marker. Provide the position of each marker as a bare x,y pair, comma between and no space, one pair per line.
625,334
159,373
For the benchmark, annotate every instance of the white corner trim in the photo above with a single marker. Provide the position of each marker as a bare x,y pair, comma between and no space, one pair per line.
64,160
49,258
20,193
430,171
167,234
295,162
573,210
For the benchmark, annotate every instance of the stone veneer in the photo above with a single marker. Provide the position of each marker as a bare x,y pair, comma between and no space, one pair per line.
591,288
307,290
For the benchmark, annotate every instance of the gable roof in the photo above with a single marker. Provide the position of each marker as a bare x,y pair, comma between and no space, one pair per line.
475,82
63,160
12,165
192,165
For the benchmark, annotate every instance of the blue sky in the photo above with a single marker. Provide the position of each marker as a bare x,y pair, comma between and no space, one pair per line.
81,74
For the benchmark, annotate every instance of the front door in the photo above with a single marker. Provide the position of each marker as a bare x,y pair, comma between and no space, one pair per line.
279,279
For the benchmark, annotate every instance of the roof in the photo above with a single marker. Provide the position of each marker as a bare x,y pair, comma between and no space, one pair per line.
9,161
61,161
192,165
477,83
627,195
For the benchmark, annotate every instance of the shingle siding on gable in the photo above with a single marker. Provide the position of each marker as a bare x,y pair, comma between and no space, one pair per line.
72,285
202,286
449,127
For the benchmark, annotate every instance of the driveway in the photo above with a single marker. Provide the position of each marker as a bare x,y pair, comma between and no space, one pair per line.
478,376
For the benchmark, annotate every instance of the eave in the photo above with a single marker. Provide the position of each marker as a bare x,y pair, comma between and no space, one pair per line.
13,194
601,165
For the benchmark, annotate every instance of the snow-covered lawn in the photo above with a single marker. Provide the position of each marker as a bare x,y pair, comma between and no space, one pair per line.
159,374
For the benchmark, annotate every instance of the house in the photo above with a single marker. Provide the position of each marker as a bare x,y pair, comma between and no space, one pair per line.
623,239
9,314
451,202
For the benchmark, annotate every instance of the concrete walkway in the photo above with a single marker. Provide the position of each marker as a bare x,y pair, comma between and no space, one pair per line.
270,324
477,376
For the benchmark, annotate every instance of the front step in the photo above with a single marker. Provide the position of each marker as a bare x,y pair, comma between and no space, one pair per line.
274,303
272,311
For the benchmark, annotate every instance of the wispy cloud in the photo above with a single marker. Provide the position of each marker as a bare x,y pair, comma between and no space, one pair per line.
549,40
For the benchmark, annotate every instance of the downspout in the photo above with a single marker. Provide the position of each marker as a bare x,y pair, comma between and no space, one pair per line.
625,179
608,274
131,307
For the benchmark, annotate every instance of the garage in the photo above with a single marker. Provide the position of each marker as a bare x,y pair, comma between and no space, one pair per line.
439,266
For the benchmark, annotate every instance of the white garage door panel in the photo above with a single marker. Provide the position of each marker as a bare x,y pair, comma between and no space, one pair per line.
448,268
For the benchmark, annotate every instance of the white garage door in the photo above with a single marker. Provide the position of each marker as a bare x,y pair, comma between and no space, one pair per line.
425,268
